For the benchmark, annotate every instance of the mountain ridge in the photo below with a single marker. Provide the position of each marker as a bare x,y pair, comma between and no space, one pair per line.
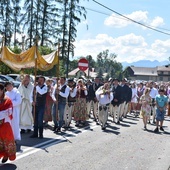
145,63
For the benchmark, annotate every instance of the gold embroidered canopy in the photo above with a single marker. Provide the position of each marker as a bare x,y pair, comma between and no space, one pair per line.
27,59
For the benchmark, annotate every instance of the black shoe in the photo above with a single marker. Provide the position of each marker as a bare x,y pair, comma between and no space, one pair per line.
97,123
77,124
83,123
4,160
28,130
95,119
34,136
120,119
22,131
55,127
103,128
156,130
45,124
58,129
118,122
41,137
161,128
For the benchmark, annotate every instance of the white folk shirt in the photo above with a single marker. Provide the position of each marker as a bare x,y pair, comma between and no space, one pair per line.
65,94
104,98
153,93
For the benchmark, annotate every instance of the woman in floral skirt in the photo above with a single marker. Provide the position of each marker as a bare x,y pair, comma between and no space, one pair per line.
145,108
80,106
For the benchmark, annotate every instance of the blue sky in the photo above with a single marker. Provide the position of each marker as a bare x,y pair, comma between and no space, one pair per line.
129,41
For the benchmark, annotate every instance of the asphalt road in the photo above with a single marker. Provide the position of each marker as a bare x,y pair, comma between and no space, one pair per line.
120,147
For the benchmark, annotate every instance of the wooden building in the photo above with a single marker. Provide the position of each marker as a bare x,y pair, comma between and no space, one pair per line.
159,73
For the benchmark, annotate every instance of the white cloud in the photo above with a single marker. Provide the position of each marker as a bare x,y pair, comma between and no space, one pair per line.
161,46
139,16
157,21
128,48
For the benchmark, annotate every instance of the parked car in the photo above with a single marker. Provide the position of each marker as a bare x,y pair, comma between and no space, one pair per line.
17,77
2,81
14,76
8,78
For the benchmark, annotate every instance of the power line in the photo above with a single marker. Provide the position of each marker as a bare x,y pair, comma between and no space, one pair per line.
100,12
131,19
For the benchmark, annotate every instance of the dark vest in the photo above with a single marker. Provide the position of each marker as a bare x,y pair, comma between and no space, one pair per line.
41,99
80,94
60,98
71,99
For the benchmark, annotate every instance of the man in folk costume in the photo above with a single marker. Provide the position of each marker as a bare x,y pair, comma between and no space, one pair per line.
49,102
104,96
59,96
26,116
16,99
116,89
124,98
128,101
110,81
95,85
90,96
39,104
70,102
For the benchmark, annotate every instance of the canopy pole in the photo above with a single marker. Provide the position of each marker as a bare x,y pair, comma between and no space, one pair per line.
2,44
35,75
57,79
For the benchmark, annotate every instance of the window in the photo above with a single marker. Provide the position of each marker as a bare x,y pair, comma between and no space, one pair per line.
160,78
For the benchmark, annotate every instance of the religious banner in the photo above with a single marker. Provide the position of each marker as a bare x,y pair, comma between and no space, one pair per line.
27,59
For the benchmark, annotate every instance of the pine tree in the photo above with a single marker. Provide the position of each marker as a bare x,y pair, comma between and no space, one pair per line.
6,27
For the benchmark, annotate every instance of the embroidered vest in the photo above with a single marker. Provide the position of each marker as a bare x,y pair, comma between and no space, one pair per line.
60,98
40,99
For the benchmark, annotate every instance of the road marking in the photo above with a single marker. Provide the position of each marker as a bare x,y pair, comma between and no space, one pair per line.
33,149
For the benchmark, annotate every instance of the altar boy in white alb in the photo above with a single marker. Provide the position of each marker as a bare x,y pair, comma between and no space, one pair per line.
16,99
104,96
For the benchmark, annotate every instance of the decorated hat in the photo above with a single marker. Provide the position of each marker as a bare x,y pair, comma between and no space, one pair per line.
115,79
124,79
70,80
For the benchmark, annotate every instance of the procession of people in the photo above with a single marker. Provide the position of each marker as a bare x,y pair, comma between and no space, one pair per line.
30,108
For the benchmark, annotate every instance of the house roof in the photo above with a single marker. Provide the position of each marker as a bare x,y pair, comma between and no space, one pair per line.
163,68
148,71
75,71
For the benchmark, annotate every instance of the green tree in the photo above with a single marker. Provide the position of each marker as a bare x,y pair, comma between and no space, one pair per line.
49,22
75,12
16,19
107,62
73,65
28,21
6,26
64,29
100,73
125,73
